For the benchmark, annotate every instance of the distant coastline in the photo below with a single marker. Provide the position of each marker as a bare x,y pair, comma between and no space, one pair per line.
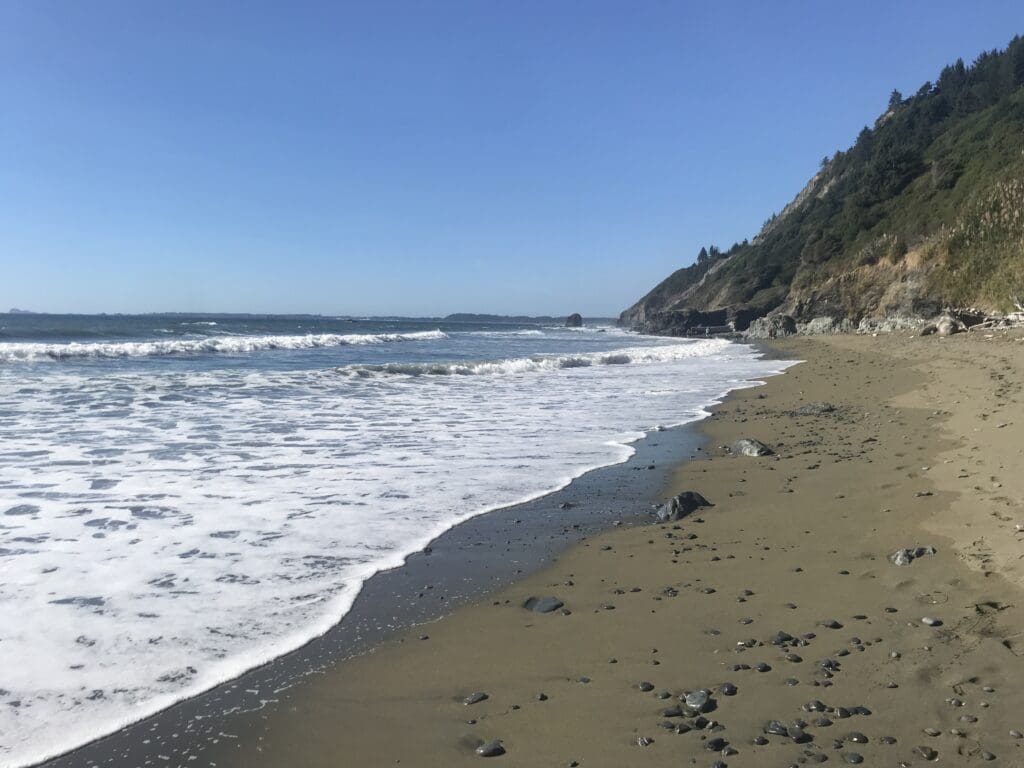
457,317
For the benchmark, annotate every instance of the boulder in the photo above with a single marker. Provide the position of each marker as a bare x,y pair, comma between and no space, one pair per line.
771,327
575,320
680,506
824,325
748,446
944,325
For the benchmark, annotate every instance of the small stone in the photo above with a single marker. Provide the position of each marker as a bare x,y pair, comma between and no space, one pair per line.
931,621
644,741
727,689
775,728
886,739
475,698
490,749
697,700
853,758
541,697
857,737
926,752
645,686
542,604
932,731
715,745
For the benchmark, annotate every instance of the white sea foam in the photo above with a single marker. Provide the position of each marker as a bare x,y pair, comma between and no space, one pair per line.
227,344
161,532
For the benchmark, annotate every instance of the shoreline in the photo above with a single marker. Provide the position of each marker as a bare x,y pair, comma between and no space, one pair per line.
453,574
697,604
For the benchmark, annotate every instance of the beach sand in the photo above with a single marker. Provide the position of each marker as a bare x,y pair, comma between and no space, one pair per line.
924,449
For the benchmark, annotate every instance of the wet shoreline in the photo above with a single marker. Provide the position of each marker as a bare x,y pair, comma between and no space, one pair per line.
463,565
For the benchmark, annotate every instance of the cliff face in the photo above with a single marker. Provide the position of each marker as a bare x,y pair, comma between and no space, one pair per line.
924,211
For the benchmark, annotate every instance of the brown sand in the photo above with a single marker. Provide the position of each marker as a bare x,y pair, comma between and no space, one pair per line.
807,532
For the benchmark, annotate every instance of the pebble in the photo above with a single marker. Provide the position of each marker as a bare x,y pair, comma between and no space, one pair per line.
727,689
715,745
475,698
931,621
775,728
644,741
926,752
857,737
886,739
490,749
697,700
932,731
645,686
853,758
762,667
541,697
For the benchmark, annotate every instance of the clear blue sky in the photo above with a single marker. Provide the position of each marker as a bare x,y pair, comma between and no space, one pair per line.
425,157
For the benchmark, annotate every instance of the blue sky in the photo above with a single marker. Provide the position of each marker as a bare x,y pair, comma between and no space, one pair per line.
425,157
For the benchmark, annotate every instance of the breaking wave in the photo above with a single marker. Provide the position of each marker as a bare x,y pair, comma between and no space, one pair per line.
24,352
661,354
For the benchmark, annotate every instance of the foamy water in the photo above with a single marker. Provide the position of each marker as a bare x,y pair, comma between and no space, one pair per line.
164,527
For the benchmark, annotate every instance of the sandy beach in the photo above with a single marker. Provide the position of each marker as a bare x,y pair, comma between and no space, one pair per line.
780,601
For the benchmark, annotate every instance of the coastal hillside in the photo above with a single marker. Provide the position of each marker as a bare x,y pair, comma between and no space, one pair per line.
924,211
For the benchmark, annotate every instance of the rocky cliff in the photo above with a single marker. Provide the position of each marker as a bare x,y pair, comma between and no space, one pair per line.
924,211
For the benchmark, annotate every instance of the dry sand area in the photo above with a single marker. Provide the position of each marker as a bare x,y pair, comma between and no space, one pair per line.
779,602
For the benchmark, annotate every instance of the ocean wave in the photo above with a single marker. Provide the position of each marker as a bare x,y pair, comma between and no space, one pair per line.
28,352
660,354
504,334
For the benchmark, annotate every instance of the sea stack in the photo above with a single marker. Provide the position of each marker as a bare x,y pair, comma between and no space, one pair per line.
575,320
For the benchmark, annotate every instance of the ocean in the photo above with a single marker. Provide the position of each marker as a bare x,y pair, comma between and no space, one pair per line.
183,498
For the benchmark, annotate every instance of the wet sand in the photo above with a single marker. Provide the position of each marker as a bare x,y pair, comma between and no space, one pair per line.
924,449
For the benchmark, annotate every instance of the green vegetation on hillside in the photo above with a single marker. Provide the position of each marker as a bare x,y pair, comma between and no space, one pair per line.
939,177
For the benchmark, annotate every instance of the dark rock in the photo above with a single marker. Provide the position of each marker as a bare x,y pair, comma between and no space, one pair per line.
490,749
776,728
475,698
907,556
542,604
575,320
680,506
